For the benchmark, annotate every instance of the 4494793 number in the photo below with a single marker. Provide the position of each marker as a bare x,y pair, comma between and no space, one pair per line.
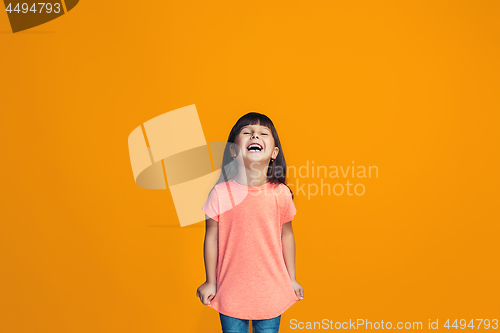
35,8
482,323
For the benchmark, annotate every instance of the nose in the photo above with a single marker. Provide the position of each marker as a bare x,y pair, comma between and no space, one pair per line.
254,136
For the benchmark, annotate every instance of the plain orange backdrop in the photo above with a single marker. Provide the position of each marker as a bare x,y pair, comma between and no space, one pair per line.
411,87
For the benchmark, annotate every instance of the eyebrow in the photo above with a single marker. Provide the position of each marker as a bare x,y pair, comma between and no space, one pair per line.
263,128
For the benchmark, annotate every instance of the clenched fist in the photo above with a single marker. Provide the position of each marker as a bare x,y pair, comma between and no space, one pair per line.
206,292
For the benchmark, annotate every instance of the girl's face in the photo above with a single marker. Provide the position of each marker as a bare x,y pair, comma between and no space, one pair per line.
255,144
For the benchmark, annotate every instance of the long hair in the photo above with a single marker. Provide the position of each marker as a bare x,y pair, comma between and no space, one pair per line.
276,172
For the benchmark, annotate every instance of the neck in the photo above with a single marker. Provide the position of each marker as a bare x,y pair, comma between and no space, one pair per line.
254,175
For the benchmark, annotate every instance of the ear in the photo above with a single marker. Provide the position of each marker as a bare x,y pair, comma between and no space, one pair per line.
233,150
275,152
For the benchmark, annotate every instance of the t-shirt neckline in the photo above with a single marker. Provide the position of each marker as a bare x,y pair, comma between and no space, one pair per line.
250,188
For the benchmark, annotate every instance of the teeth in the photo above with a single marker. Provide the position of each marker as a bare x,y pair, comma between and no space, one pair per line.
256,146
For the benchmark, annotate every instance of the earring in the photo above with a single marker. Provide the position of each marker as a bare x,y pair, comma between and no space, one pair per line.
270,168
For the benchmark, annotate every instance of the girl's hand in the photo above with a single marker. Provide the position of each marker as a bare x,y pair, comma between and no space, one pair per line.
206,292
299,291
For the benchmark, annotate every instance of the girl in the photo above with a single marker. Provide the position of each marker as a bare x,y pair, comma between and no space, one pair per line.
249,245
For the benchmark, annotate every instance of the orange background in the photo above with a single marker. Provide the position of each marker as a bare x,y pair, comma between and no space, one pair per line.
411,88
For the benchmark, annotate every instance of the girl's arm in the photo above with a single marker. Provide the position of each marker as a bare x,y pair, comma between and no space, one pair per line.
211,249
288,242
206,292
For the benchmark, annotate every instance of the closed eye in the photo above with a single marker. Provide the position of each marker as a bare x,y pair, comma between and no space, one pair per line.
261,133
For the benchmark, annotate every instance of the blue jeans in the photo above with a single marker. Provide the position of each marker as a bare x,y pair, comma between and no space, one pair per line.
236,325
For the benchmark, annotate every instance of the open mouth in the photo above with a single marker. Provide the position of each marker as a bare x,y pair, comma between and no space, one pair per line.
254,147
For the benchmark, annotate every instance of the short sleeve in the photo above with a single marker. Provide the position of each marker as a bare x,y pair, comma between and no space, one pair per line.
211,206
288,209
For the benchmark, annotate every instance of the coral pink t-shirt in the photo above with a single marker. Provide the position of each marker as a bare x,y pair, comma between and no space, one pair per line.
252,278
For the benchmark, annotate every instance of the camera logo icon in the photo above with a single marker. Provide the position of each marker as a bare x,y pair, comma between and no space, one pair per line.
171,150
